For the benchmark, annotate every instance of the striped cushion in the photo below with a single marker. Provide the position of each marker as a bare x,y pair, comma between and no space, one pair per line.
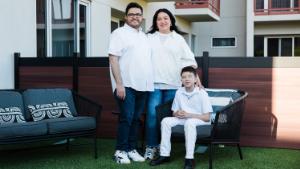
220,98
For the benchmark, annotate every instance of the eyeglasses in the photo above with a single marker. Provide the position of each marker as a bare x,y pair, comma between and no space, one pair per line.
134,14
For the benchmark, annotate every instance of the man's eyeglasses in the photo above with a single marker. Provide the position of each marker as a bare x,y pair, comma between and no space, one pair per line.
134,14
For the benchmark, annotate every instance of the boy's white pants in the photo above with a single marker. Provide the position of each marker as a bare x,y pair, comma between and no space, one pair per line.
190,133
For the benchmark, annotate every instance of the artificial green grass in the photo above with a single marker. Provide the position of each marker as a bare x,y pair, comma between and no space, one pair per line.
81,157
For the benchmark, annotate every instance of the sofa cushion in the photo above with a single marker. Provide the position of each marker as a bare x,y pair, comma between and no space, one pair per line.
16,130
11,107
51,100
202,131
73,124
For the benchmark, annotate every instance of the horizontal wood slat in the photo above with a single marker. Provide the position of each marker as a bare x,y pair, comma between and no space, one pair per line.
272,111
45,77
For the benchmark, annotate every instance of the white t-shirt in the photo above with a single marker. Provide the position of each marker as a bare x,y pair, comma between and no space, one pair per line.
133,50
196,102
170,54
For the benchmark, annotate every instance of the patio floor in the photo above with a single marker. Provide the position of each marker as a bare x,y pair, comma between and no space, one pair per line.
81,157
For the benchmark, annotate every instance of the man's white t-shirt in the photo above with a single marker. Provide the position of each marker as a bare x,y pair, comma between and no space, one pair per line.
133,50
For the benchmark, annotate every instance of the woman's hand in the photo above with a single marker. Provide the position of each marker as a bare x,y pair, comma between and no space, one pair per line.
198,83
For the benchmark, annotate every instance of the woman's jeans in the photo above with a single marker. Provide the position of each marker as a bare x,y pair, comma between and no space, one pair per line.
155,98
131,109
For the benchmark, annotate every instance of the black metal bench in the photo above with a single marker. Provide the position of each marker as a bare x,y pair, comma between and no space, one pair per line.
225,126
84,124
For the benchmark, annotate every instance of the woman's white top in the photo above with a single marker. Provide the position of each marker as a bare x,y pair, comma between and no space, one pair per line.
170,53
133,51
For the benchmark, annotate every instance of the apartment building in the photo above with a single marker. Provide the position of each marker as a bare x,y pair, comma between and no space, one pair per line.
258,28
59,28
274,26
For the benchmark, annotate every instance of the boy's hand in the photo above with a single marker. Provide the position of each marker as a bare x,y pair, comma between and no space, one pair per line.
175,114
180,114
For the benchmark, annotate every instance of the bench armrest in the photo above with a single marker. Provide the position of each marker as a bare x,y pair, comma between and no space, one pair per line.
87,107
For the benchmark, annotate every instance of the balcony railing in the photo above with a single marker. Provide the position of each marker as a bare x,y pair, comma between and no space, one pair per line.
213,5
277,7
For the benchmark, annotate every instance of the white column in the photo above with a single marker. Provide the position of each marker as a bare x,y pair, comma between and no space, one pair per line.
265,46
250,29
266,4
292,4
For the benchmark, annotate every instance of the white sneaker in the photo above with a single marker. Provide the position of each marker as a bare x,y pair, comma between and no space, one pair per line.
150,153
135,156
121,157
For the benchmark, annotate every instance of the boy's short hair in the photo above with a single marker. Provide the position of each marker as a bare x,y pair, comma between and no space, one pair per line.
133,5
189,69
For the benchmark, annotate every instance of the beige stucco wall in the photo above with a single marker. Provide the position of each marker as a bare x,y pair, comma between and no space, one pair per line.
17,34
232,24
277,28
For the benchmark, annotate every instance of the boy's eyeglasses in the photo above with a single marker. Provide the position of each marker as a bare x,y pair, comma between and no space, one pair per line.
134,14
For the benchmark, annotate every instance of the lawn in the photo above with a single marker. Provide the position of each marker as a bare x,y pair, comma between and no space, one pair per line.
81,157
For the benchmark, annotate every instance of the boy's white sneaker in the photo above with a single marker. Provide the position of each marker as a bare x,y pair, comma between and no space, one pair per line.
135,156
121,157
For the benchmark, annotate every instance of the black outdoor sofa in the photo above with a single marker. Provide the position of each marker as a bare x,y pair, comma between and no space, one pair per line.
228,108
34,115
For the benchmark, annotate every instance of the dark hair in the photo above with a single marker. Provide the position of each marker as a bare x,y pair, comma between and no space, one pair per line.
133,5
154,27
189,69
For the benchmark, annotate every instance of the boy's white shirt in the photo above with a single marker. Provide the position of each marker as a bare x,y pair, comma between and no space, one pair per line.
169,57
133,51
196,102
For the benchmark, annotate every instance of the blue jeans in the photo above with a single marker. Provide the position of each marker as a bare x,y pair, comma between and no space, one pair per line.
155,98
131,109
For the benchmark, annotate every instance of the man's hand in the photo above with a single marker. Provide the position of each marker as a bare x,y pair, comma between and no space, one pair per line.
120,89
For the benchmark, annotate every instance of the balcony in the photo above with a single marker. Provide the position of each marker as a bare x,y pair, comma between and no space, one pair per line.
198,10
277,10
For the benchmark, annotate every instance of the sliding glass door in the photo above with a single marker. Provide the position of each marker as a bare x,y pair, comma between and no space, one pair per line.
63,28
282,46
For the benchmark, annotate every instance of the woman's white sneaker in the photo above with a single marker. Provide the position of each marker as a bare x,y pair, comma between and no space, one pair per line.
150,153
135,156
121,157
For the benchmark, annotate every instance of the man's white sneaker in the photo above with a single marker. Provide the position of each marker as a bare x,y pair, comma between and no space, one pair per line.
135,156
150,153
121,157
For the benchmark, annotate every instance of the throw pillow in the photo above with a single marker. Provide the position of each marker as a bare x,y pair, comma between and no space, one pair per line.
49,111
11,115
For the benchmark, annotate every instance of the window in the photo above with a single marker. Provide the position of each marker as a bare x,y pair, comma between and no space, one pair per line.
62,27
193,43
273,47
223,42
281,3
41,28
116,23
297,47
259,4
296,3
258,46
284,46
